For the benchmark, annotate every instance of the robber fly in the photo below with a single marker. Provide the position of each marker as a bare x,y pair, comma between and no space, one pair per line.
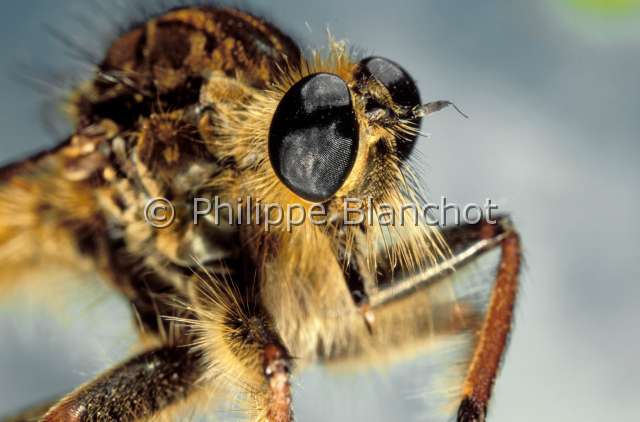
206,101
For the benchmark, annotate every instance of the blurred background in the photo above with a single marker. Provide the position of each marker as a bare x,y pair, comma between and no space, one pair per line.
553,92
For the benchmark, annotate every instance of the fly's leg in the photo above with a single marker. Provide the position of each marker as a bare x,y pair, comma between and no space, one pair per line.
277,366
439,302
242,349
150,384
137,389
493,336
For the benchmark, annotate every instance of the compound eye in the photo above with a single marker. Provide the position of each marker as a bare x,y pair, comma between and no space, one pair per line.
313,138
401,87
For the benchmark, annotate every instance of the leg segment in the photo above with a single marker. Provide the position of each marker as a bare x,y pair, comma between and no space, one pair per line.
448,300
241,348
150,383
494,335
276,370
135,390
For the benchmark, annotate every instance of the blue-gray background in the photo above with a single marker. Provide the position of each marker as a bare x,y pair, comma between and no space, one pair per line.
553,91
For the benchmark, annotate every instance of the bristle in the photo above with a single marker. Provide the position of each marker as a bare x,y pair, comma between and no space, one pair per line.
38,208
304,280
220,319
300,280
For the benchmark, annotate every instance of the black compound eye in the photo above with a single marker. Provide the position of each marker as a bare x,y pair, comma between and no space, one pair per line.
313,139
401,87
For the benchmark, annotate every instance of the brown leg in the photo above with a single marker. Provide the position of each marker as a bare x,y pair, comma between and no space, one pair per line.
458,297
494,335
134,390
242,349
468,243
276,369
149,383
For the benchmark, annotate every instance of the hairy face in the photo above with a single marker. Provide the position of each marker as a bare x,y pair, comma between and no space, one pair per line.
329,128
330,131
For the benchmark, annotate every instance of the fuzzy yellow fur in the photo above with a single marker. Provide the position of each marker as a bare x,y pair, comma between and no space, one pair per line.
39,209
301,282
